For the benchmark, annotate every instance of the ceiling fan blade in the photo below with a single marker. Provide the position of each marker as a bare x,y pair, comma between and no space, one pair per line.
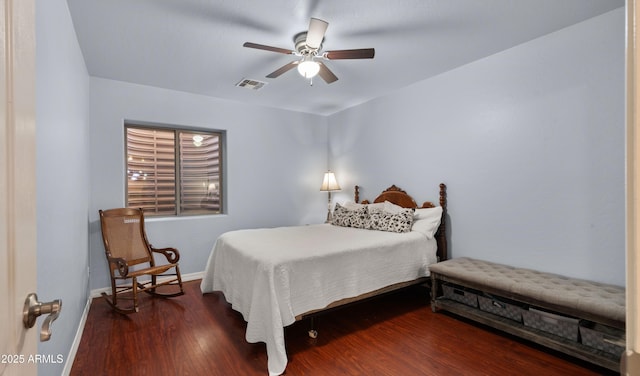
315,35
268,48
285,68
326,74
362,53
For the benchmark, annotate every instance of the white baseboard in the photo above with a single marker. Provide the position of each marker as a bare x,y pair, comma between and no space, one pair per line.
76,341
83,320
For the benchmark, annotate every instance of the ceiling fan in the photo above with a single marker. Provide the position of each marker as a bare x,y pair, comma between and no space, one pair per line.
308,46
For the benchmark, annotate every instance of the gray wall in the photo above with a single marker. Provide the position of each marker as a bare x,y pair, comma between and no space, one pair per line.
275,161
62,169
530,142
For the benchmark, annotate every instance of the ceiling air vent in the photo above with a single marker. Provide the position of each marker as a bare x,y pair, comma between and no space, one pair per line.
251,84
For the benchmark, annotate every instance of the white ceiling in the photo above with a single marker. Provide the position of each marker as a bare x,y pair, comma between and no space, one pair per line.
196,45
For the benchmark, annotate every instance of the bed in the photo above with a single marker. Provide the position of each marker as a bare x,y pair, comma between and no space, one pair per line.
275,276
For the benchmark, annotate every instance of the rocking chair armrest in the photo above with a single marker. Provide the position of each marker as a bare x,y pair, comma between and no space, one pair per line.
121,265
172,254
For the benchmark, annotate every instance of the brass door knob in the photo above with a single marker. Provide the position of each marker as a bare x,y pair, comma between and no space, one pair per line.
33,308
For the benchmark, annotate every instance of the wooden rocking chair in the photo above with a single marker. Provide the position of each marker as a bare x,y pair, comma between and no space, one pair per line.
130,257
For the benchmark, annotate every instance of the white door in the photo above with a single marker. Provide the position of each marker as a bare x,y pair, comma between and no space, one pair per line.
17,184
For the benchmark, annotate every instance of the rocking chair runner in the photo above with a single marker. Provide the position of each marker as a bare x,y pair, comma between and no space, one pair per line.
130,256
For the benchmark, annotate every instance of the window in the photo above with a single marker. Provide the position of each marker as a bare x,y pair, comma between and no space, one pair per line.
174,171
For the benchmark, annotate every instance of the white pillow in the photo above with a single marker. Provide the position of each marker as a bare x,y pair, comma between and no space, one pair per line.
392,208
350,205
377,205
426,221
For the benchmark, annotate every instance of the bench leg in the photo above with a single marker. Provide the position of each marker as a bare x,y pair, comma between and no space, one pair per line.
434,292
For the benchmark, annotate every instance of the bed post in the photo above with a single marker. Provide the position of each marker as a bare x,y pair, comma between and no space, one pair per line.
356,194
441,235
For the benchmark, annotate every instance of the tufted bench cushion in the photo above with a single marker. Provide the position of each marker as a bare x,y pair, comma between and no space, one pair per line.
595,298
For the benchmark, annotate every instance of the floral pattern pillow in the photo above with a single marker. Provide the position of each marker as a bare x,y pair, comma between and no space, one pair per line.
358,218
393,222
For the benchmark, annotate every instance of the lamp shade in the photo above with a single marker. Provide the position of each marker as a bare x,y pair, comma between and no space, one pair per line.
308,68
329,182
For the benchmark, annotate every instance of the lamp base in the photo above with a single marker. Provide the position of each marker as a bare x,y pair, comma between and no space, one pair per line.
329,216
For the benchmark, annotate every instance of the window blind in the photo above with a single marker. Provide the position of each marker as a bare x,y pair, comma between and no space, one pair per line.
199,173
165,177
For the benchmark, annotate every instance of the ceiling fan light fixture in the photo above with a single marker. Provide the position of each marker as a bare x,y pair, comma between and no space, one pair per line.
308,68
308,45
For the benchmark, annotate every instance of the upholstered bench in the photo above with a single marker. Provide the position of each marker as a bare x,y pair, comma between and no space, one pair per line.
584,301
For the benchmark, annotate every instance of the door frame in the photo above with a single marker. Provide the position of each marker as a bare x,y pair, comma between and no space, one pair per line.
17,184
631,361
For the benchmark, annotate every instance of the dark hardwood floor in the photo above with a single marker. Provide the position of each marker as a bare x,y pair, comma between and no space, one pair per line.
392,335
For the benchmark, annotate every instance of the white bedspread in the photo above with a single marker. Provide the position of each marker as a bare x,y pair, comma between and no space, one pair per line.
273,275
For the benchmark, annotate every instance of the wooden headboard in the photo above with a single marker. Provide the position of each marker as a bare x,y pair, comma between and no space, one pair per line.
399,197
